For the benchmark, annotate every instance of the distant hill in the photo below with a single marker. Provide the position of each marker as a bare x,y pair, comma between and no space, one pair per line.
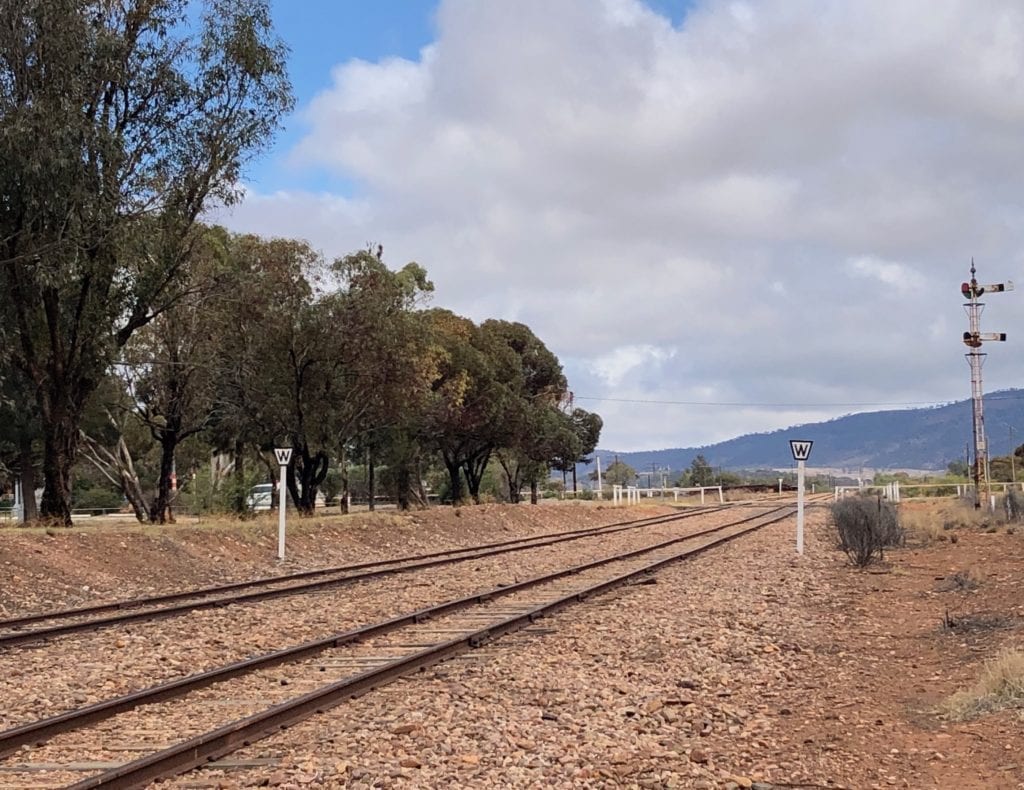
927,438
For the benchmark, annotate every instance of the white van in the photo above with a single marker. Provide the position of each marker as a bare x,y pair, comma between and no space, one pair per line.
260,496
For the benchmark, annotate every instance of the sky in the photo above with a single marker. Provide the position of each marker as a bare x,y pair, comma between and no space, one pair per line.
723,216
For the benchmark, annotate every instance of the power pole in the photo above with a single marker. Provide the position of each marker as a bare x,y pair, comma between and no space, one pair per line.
973,339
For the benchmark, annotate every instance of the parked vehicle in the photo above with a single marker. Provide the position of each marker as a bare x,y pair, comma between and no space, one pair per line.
260,496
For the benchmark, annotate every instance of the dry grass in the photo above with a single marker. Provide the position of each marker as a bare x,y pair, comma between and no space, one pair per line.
1000,686
924,530
935,521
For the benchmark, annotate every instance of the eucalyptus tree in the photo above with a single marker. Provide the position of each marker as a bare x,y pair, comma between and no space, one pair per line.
114,441
497,382
316,355
269,355
168,363
396,365
120,122
525,459
619,473
466,402
586,425
534,384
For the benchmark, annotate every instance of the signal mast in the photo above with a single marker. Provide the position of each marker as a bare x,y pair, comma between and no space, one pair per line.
976,358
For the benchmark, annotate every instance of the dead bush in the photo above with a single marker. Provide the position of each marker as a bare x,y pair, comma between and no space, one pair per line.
975,623
961,581
866,526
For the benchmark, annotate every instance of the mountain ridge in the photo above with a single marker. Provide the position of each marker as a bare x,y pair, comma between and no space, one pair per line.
926,438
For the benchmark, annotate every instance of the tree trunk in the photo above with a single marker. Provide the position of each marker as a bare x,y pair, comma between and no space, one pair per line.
574,478
119,469
160,510
130,481
238,471
27,473
513,474
475,468
454,478
533,492
345,491
421,491
60,403
403,485
371,483
59,447
305,474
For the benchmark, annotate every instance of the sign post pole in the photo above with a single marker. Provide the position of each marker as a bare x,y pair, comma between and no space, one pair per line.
799,507
284,457
801,449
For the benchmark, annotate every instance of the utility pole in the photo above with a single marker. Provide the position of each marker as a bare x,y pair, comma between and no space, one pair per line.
973,339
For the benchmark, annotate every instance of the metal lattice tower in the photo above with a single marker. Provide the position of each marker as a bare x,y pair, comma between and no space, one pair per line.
973,339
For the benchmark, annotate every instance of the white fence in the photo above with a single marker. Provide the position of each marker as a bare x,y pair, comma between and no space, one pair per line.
894,491
628,495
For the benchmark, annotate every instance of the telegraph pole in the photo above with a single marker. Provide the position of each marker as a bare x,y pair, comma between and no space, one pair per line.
973,339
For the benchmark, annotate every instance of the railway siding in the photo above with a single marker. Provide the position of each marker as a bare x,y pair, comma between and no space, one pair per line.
499,615
41,680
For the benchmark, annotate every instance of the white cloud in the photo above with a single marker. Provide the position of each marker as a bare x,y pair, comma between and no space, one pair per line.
736,188
896,276
617,365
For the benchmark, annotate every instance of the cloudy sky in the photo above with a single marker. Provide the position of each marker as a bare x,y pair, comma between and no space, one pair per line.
723,217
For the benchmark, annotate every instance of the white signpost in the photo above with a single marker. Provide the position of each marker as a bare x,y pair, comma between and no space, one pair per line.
284,457
801,449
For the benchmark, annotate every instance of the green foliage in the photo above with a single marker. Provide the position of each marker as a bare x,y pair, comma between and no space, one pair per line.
120,125
1004,468
97,497
619,473
700,473
958,469
199,494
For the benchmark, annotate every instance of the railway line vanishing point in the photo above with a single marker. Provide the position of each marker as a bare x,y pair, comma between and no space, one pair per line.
364,658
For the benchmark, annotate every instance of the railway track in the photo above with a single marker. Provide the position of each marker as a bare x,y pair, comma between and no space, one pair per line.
16,631
359,660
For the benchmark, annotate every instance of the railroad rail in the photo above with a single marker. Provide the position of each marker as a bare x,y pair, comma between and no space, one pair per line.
13,633
378,653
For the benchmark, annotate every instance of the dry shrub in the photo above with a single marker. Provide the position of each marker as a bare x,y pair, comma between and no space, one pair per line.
961,581
866,526
965,580
1001,685
1013,504
975,623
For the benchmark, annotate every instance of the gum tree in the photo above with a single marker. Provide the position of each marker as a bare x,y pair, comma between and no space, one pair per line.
119,123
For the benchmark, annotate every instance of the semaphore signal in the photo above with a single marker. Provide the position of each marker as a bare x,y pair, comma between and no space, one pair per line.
973,339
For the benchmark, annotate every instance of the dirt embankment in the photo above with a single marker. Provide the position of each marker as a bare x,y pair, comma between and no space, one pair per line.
56,568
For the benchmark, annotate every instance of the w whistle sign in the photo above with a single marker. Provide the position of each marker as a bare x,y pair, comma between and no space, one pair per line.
801,449
284,455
